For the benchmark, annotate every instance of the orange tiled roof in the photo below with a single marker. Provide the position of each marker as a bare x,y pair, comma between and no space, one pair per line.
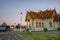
57,18
42,14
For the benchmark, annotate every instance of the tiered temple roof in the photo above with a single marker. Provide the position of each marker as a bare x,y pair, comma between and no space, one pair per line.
43,15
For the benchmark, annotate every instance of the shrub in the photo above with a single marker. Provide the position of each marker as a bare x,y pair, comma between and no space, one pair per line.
58,28
27,30
45,29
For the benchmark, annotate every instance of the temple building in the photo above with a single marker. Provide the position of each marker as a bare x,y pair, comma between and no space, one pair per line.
37,21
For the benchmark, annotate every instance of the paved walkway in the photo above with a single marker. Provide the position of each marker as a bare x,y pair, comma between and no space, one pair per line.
11,36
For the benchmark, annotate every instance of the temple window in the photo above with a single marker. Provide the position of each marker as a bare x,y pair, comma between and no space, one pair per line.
42,24
37,24
50,24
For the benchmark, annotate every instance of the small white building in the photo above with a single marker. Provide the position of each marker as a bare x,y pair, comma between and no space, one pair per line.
37,21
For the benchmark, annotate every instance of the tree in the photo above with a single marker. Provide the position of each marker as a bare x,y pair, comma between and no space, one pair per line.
8,27
4,24
12,26
18,26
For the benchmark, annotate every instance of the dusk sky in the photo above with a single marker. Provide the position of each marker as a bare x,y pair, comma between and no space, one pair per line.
10,9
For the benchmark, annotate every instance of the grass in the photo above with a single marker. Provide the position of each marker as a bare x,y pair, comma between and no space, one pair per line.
43,36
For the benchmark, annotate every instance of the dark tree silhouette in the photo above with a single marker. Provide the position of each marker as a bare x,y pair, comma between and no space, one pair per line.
18,26
4,24
8,28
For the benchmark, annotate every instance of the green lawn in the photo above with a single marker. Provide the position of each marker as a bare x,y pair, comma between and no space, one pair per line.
43,36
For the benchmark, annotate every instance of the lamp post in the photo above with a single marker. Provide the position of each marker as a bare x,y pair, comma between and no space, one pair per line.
21,20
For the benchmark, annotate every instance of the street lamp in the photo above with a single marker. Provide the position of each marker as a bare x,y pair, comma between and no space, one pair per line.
21,20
